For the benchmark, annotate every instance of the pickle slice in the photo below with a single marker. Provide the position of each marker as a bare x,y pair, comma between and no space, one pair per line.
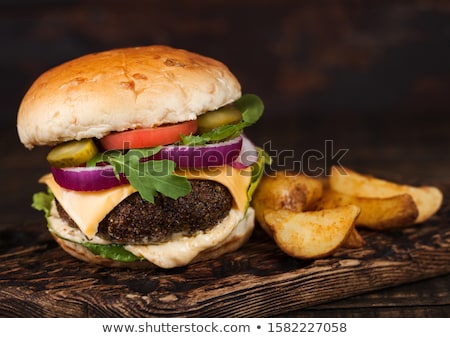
72,153
226,115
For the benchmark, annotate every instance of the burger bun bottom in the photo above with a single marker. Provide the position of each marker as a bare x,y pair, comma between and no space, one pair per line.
236,239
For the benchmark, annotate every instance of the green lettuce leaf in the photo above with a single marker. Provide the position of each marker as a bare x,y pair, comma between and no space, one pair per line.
258,172
112,251
42,201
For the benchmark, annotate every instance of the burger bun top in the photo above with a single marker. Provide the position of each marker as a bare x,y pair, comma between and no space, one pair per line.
122,89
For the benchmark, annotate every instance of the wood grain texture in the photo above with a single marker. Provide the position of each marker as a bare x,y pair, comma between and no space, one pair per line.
427,298
38,279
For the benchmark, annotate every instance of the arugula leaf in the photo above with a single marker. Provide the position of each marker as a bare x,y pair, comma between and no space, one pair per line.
251,107
148,177
151,177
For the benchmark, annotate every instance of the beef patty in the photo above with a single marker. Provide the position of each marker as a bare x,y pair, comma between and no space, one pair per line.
137,221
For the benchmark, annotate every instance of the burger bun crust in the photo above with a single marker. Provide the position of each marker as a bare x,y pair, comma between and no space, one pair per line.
122,89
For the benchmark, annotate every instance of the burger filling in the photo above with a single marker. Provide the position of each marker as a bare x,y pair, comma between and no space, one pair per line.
137,221
165,202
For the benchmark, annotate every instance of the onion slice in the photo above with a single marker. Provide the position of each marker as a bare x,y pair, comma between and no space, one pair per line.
247,156
209,155
87,178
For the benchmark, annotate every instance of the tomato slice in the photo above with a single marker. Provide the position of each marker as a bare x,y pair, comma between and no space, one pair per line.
148,137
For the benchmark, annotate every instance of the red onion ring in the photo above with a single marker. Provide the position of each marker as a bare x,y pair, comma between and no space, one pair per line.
247,156
210,155
87,178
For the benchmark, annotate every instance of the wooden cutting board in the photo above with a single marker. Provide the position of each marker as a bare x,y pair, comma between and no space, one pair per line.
38,279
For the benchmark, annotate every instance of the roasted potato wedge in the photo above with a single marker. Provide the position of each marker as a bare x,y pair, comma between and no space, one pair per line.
376,213
284,190
427,199
354,240
311,234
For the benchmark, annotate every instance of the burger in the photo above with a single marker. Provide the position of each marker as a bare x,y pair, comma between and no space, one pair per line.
148,160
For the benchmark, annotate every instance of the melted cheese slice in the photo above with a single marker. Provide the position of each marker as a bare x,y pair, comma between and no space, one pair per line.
87,209
235,180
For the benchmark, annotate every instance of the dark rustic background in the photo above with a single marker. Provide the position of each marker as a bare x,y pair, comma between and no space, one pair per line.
311,57
372,77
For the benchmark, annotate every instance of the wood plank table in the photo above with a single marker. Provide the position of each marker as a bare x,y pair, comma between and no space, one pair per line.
370,78
402,273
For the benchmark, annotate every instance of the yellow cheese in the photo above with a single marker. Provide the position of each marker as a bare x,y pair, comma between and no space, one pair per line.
236,180
87,209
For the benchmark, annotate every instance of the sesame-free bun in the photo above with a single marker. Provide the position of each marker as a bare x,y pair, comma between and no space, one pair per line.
122,89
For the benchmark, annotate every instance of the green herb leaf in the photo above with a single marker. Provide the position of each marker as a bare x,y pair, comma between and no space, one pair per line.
42,201
112,251
192,140
148,177
258,172
157,176
251,107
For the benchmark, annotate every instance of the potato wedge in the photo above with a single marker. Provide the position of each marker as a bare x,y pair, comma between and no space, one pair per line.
284,190
376,213
311,234
427,199
354,240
